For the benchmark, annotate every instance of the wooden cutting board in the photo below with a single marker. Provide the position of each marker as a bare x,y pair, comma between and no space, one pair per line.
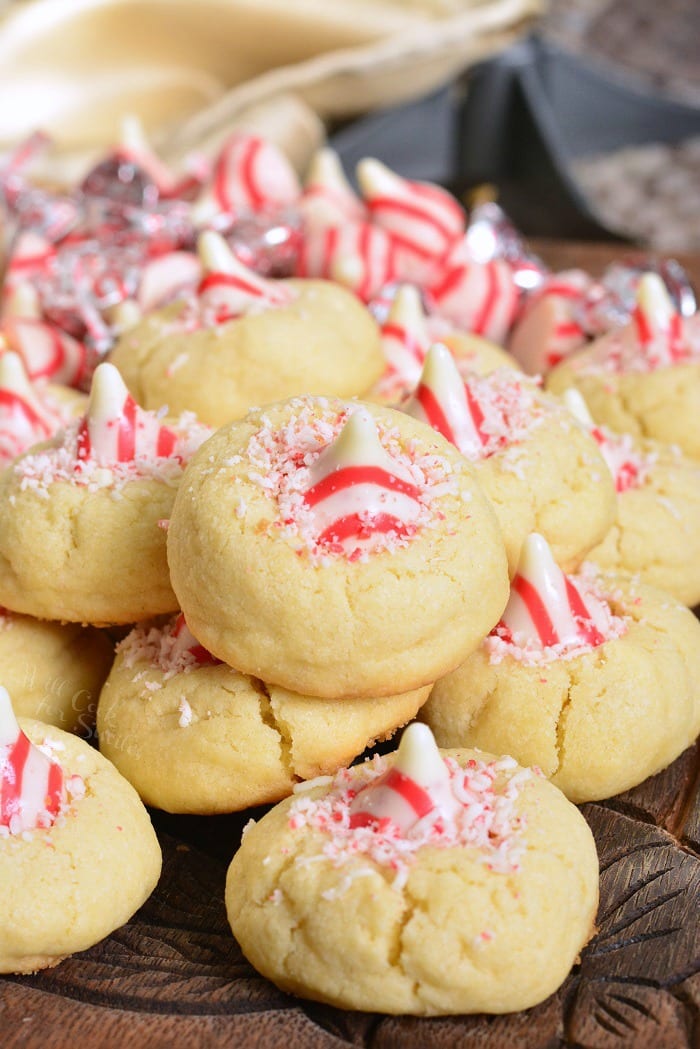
175,977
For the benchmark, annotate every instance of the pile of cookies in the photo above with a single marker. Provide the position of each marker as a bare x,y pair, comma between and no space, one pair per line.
303,496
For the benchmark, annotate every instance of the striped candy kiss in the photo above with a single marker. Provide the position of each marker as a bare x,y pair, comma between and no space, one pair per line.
657,324
115,429
250,175
628,465
47,352
32,787
229,289
424,220
417,784
478,297
404,338
358,491
358,255
328,198
24,419
549,327
445,402
545,605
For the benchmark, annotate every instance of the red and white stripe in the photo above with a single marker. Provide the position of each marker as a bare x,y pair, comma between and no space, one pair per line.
24,418
627,463
328,198
186,642
32,788
250,175
115,429
404,338
424,220
31,254
479,297
47,352
545,605
358,255
446,403
549,327
657,324
164,278
228,289
357,490
417,785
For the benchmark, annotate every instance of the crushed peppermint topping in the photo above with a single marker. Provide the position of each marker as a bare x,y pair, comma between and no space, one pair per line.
280,461
60,461
485,819
507,410
162,648
620,351
186,716
628,464
502,643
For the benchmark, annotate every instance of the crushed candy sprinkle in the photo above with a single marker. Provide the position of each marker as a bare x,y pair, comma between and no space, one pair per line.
281,460
60,461
485,818
501,643
163,649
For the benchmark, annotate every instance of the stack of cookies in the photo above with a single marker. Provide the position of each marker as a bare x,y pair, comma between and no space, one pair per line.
309,500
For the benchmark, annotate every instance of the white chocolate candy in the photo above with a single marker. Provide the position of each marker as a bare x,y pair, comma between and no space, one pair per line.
416,785
115,429
228,288
358,491
250,175
424,219
545,605
404,338
32,787
328,198
444,402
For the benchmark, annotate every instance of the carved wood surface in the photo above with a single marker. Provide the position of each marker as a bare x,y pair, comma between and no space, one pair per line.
174,975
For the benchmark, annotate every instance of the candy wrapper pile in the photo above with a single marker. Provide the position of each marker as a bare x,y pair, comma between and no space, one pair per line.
83,264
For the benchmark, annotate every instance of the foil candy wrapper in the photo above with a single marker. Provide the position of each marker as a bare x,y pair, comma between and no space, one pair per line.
610,302
491,235
103,233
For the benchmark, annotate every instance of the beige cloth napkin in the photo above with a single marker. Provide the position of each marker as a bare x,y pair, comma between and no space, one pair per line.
192,68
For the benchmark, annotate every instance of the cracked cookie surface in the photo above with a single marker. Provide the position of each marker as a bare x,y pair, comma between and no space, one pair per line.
458,933
206,739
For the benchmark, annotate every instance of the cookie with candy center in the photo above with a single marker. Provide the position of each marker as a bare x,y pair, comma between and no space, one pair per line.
243,340
193,735
333,549
82,515
78,854
423,883
644,378
537,465
594,678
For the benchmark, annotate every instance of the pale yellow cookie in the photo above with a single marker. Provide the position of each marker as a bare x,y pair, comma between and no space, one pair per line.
644,378
192,735
657,532
70,884
294,565
54,671
483,909
541,469
82,516
664,404
324,341
596,720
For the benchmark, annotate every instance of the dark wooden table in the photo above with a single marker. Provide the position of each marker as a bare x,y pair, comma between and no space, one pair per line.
174,976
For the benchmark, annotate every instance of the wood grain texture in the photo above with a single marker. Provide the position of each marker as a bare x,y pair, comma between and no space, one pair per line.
175,977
